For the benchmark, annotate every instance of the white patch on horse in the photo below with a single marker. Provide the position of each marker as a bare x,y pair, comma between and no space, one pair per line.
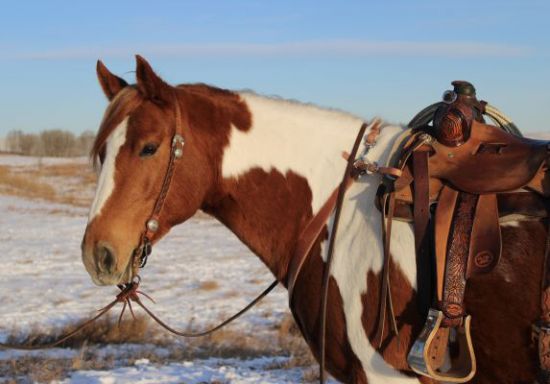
309,141
289,136
358,250
106,181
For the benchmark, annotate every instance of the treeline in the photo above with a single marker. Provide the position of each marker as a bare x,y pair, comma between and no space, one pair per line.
54,142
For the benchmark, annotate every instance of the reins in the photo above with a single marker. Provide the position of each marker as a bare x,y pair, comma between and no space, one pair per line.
326,271
123,296
213,329
130,293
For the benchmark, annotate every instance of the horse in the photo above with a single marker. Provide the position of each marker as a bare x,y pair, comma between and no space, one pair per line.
264,166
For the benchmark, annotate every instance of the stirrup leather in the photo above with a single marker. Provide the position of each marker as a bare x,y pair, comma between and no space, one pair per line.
428,352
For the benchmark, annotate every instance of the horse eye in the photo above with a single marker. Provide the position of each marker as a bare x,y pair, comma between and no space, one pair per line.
148,150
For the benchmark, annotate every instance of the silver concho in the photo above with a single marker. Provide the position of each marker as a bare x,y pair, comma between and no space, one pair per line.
178,142
152,225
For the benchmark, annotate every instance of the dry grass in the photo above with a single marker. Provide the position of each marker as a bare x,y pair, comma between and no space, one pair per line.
226,343
45,182
81,171
19,185
208,285
291,341
29,369
39,369
104,331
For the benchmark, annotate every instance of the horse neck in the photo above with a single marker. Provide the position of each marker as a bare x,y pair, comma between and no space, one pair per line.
276,175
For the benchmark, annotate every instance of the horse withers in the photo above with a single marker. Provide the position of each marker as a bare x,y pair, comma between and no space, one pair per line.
264,167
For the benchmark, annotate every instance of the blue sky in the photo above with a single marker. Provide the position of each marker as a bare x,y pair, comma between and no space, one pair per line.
371,58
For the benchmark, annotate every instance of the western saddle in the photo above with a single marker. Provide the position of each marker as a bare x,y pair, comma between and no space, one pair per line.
459,178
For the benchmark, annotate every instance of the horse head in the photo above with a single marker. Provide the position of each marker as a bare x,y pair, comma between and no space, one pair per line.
132,151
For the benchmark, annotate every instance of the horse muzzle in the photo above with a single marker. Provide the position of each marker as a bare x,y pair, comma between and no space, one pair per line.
105,266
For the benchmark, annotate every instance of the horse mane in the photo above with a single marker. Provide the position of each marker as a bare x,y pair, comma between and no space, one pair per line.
127,100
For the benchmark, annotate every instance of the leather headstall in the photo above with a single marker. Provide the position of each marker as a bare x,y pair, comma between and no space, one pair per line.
152,224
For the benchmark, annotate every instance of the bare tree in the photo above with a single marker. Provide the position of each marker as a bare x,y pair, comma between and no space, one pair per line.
13,141
29,144
85,143
54,142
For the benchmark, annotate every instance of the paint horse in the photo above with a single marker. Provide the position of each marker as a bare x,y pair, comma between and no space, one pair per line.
264,167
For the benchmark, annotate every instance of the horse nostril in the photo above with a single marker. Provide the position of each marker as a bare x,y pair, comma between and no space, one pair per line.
105,258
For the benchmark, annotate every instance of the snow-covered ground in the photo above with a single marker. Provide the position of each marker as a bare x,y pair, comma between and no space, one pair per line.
204,371
17,160
198,274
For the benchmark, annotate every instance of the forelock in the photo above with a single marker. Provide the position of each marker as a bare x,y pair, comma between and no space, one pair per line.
124,103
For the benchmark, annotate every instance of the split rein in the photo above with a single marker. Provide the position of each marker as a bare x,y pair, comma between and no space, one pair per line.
130,293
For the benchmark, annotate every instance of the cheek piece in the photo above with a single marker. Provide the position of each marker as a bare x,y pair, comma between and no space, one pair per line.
152,224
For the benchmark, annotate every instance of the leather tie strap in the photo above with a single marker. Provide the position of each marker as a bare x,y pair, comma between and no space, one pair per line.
421,211
326,271
386,302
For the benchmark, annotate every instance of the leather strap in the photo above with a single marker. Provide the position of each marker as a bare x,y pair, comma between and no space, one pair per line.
486,239
308,237
421,212
456,261
326,270
543,327
388,200
153,222
443,221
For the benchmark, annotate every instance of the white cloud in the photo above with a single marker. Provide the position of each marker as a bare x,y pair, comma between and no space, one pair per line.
331,48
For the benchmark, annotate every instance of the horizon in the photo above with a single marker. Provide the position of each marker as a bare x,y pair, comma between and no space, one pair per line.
366,59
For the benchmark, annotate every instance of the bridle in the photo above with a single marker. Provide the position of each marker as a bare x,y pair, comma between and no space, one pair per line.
152,224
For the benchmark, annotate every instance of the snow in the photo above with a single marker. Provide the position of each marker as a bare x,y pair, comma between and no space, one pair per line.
207,371
43,285
18,160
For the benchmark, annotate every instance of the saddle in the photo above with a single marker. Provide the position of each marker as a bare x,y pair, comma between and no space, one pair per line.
459,179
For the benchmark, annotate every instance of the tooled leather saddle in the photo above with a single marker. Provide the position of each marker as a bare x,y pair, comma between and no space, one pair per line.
460,178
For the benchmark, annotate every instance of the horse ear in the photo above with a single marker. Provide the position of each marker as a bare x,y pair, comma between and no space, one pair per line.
149,84
111,84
